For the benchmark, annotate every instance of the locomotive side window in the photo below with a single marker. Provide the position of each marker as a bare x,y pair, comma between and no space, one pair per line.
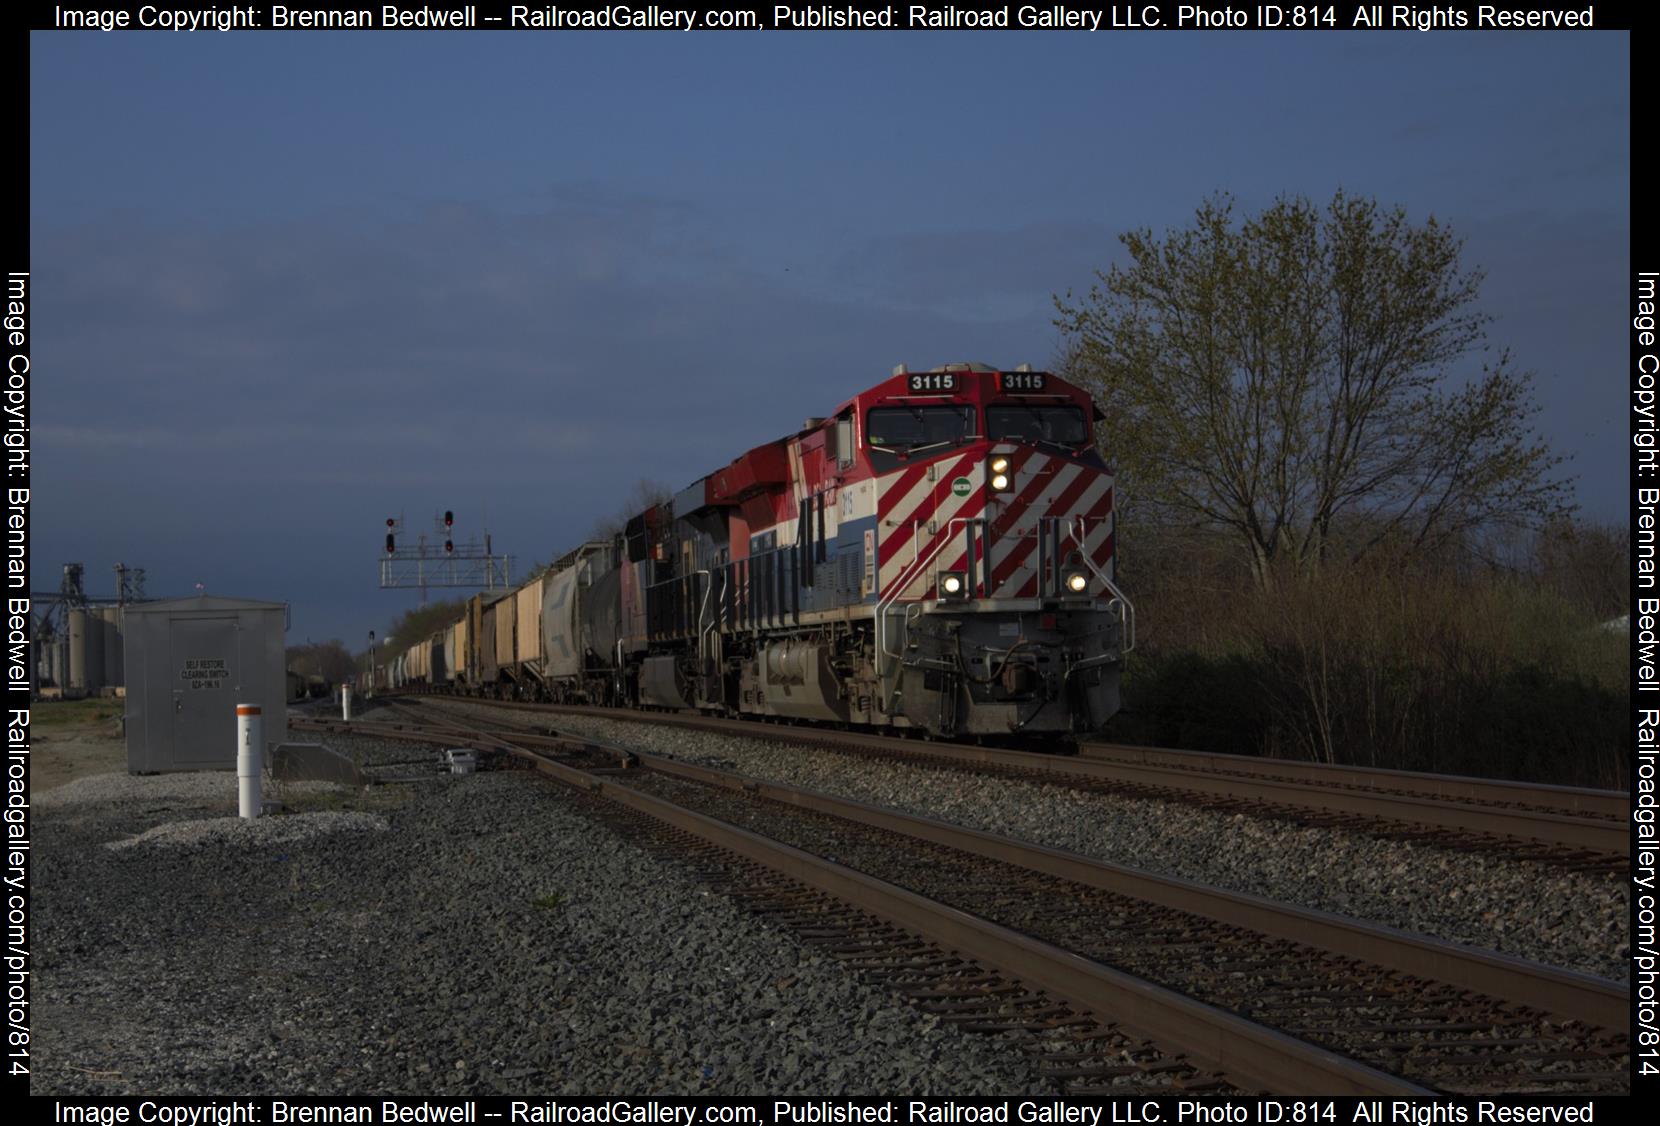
1062,426
910,427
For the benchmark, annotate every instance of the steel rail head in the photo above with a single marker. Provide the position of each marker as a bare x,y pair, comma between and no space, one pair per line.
1252,1055
1596,1001
1565,830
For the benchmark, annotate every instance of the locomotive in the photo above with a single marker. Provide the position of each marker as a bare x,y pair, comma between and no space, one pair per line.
936,554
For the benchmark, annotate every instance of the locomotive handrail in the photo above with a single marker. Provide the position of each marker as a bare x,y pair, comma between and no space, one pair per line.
1126,608
703,614
906,577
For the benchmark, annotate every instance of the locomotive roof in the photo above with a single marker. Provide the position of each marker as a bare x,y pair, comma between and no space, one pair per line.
977,381
767,463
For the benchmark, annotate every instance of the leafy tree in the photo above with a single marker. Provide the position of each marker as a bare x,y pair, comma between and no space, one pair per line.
421,623
1295,379
327,659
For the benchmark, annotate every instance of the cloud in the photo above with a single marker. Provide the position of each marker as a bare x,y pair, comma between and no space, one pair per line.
1008,274
209,400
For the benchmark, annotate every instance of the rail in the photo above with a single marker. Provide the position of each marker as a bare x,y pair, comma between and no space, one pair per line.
1253,1054
1469,825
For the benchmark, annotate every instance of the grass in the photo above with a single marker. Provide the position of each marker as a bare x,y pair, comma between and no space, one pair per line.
552,901
74,713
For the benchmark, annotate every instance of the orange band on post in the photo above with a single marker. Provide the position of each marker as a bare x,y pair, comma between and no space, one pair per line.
247,709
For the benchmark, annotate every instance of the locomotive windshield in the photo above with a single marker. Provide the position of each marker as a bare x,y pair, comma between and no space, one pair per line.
913,427
1063,426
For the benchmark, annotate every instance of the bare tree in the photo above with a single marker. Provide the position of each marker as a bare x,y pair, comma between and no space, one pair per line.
1588,565
646,494
1280,376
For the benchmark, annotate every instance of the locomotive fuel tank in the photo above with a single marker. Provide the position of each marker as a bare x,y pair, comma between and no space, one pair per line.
795,679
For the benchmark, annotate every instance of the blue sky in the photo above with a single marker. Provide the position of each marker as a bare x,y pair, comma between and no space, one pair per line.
287,285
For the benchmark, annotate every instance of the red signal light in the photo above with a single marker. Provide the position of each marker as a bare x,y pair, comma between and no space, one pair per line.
391,543
449,518
391,522
448,546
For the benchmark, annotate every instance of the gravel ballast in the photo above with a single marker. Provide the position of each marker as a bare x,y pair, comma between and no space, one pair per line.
1575,920
467,934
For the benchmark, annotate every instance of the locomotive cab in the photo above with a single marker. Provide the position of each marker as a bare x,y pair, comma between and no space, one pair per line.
996,612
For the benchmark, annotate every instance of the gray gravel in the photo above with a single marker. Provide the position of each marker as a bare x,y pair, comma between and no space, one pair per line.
462,934
1529,910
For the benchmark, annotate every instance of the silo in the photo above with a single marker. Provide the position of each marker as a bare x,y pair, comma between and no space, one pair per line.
77,651
112,645
94,652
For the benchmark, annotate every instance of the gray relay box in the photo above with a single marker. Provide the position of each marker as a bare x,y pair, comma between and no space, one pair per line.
189,662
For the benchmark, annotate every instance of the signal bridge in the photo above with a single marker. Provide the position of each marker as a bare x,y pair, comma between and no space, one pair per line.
441,562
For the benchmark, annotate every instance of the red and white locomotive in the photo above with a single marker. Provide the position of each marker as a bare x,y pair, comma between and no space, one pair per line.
936,554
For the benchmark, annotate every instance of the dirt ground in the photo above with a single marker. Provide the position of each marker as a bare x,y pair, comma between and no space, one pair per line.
73,739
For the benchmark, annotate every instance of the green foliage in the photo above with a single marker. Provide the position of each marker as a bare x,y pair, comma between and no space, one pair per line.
421,623
1194,701
327,659
1293,379
65,713
552,901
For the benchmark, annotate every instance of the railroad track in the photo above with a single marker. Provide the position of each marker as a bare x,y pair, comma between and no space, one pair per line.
1572,829
1144,980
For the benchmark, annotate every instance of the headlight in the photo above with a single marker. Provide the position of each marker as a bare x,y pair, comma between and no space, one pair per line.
952,584
1077,582
998,472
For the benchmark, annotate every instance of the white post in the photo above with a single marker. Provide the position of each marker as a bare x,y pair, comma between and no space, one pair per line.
346,702
249,752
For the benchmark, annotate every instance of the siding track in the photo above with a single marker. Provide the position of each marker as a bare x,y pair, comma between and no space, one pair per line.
1572,829
1262,995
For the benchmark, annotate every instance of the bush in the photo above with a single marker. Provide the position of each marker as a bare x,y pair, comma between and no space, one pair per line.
1486,673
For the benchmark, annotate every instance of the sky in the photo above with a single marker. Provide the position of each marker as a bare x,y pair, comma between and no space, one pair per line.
288,285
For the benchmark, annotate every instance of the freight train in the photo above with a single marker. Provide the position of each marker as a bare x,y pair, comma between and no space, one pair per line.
936,554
